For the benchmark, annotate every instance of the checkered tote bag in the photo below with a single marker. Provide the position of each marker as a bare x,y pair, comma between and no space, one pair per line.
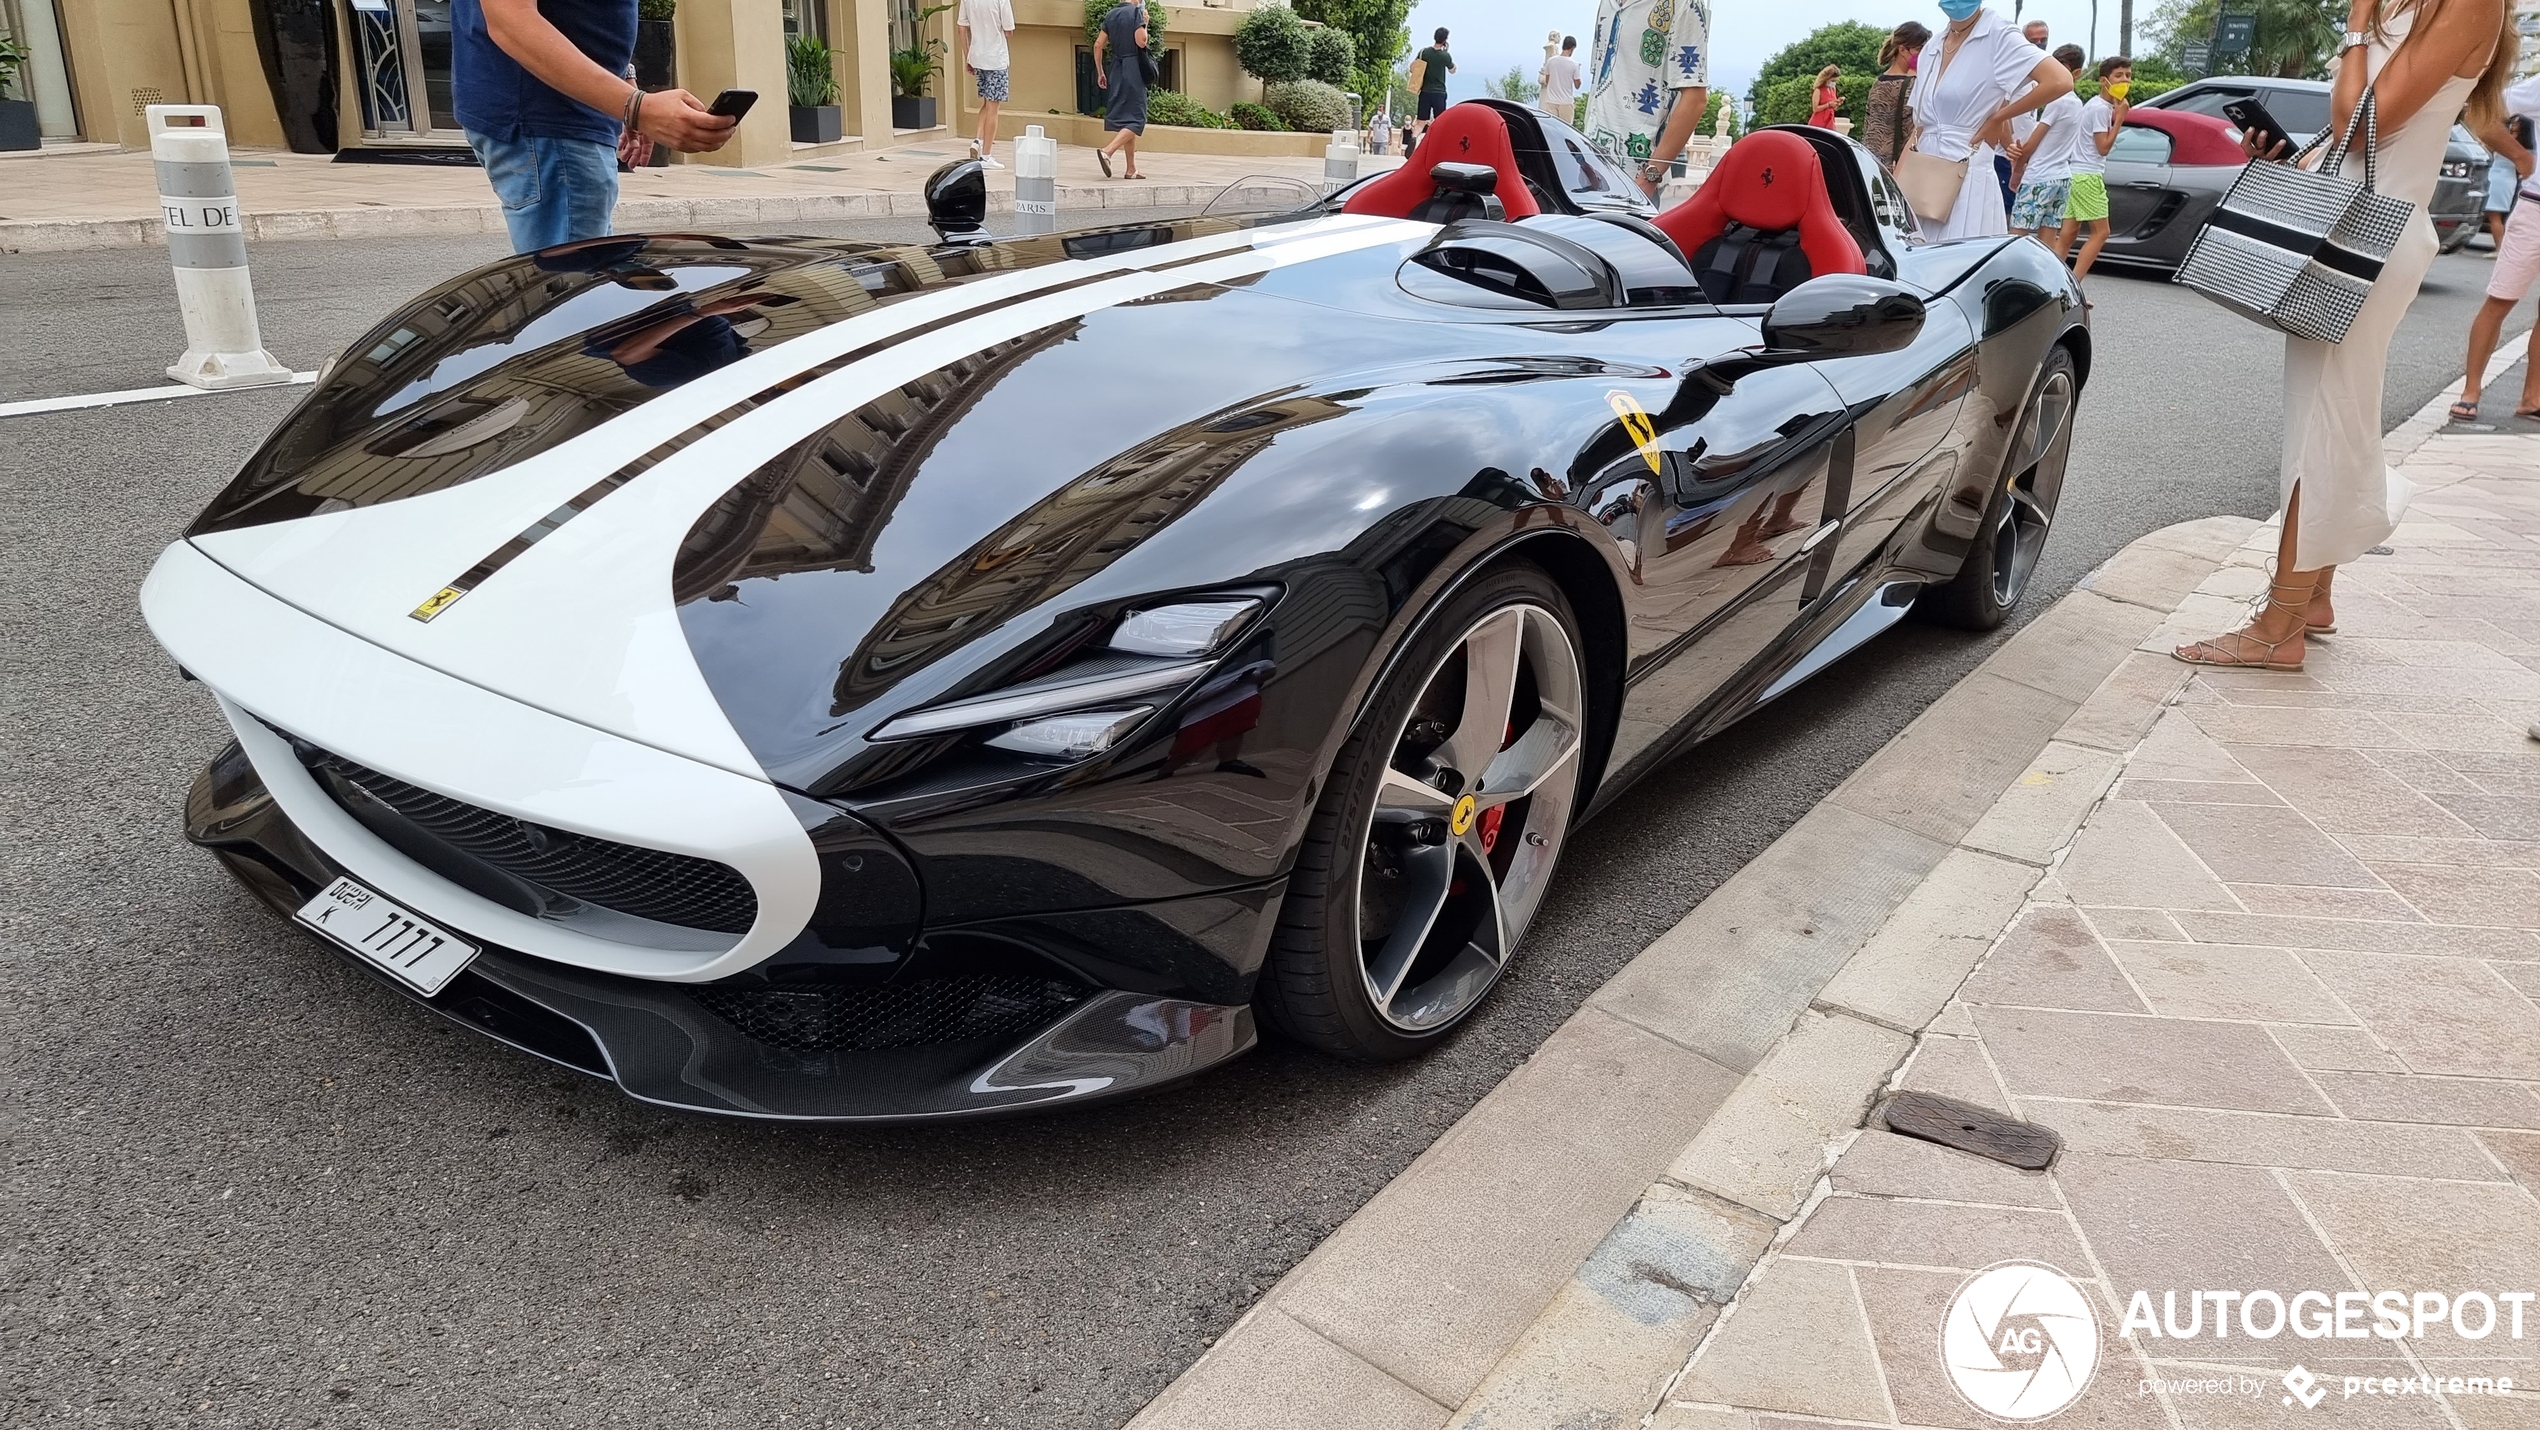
2297,249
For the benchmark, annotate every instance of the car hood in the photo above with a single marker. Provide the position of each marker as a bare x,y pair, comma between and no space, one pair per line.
734,500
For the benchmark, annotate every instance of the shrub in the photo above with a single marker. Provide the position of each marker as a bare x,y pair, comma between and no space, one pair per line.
1334,56
1171,106
811,80
1248,115
1095,10
656,9
1274,45
1307,105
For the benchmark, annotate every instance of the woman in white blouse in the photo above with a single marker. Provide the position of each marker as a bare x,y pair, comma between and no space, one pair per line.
1974,76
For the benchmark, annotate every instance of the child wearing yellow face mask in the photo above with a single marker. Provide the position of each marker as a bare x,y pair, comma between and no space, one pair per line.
2087,206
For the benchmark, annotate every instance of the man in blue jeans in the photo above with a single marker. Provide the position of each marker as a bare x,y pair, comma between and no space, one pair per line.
542,89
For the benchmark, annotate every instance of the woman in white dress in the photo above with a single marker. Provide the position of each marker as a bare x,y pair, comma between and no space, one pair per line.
1974,76
2424,59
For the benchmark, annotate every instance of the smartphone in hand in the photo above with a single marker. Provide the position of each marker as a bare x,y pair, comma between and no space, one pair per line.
2253,117
732,103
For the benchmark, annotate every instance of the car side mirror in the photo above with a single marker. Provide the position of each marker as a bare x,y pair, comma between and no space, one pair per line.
1840,315
957,202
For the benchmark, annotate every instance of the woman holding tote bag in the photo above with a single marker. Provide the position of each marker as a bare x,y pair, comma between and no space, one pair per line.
1974,76
2418,61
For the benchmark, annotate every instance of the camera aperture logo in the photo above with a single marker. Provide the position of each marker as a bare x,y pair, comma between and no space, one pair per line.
2020,1341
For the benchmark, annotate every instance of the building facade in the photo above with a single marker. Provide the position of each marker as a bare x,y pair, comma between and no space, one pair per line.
319,75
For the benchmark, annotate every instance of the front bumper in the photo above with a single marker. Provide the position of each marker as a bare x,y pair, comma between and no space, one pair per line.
661,1044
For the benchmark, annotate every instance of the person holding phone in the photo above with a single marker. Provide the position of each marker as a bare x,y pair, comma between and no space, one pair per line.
1828,99
544,93
2423,60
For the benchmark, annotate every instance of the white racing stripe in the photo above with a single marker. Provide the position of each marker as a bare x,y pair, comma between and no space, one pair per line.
342,564
583,625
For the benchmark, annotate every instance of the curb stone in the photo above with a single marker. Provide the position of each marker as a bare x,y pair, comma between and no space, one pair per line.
1771,1016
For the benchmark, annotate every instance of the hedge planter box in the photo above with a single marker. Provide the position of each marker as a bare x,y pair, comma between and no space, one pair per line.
912,113
821,124
17,125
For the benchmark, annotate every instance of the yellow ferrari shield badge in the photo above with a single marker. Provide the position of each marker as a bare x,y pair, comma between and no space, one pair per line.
1462,819
440,601
1636,421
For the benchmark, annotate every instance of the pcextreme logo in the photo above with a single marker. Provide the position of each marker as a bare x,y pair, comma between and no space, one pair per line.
2020,1341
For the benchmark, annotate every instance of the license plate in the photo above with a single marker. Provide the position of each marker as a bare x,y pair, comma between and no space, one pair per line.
416,952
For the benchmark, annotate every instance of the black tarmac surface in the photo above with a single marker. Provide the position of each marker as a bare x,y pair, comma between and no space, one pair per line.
247,1188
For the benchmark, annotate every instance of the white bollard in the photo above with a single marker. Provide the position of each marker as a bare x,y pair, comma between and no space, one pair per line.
1035,182
1340,161
199,203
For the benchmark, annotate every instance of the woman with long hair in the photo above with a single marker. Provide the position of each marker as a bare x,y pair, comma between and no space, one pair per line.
1885,117
1829,99
1975,75
2423,60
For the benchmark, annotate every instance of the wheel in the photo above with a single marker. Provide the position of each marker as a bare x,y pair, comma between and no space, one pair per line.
2013,531
1435,837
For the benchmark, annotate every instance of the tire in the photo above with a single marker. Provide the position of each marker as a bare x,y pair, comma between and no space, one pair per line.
2021,510
1417,877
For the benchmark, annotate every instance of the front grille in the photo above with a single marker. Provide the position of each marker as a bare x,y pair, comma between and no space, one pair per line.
850,1018
646,883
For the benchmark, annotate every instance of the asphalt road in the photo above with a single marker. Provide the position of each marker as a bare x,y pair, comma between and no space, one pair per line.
248,1188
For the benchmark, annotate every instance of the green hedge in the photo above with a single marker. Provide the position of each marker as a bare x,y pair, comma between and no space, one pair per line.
1171,106
1248,115
1274,45
1307,105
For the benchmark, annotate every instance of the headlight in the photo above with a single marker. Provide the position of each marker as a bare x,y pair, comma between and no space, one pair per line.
2456,169
1185,628
1077,735
1081,709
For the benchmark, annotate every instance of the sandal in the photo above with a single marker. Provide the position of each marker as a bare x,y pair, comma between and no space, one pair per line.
2464,411
2212,652
1103,157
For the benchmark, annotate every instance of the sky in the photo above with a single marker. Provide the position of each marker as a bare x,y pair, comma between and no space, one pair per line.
1490,35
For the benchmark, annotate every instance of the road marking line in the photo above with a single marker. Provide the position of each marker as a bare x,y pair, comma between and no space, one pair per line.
136,394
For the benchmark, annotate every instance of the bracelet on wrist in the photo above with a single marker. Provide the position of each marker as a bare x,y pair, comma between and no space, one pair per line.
634,106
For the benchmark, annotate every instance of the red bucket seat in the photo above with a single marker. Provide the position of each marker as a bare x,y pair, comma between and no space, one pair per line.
1467,133
1762,223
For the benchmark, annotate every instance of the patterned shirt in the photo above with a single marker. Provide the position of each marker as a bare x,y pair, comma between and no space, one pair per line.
1644,49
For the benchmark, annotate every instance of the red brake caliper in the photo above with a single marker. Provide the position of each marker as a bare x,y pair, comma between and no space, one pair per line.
1493,815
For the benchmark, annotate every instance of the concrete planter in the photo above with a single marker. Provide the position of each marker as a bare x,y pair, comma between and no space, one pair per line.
912,111
816,124
17,125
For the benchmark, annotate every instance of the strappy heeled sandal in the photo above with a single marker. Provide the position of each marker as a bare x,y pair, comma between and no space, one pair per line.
2213,653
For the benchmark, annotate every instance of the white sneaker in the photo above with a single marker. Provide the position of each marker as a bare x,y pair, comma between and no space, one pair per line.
990,161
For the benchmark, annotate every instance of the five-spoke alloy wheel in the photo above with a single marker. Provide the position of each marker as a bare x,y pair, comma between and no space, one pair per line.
1439,832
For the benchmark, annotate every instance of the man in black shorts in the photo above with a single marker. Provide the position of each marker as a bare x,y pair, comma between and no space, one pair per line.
1429,70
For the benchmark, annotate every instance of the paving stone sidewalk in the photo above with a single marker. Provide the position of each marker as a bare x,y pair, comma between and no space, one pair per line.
2279,994
110,199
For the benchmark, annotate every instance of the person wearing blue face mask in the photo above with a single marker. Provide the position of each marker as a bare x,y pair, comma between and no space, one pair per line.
1975,75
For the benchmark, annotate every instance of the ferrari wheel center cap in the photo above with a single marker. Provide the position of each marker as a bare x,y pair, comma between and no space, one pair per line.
1462,819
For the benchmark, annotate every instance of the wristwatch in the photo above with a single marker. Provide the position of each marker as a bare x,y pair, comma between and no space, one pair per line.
1656,169
2352,39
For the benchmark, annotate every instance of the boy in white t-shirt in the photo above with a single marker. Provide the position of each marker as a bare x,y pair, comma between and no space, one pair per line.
2087,206
2043,162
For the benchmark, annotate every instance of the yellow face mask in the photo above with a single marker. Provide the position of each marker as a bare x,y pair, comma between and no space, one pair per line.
2116,89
